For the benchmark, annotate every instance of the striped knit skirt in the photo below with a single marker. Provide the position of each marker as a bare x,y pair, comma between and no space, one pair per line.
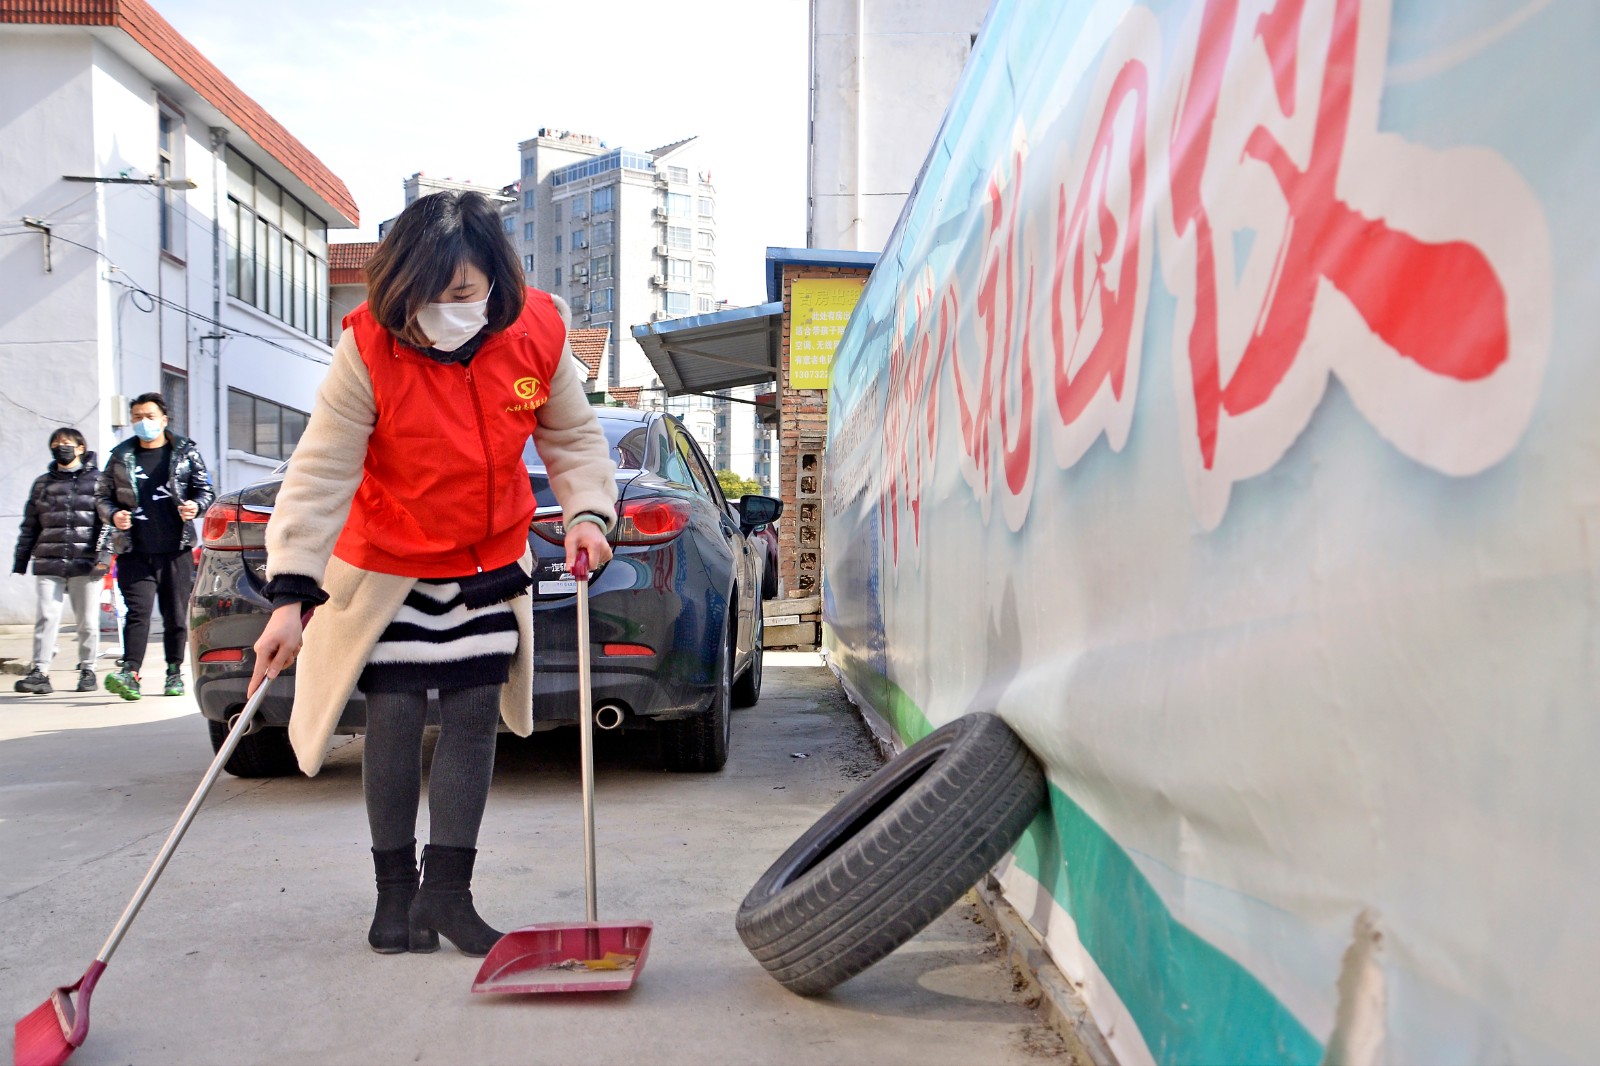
436,641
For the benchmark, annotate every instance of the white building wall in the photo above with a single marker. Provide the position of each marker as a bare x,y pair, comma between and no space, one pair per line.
78,342
883,72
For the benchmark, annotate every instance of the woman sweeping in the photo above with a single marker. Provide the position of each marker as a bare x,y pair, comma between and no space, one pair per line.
404,517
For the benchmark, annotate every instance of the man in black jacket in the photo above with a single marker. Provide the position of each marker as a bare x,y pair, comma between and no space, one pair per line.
59,531
153,487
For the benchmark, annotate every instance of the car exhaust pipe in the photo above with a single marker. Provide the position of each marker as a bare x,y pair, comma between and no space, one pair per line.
255,723
609,716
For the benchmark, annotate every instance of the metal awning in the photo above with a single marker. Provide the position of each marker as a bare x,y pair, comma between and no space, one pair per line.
716,351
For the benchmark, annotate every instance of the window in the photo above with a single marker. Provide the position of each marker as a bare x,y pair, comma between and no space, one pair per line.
680,237
510,225
527,231
527,264
678,303
673,465
703,304
558,244
604,199
600,267
708,241
169,149
558,276
263,427
579,239
600,300
679,269
706,272
528,202
678,204
277,250
678,174
175,387
699,470
527,167
580,205
708,207
604,233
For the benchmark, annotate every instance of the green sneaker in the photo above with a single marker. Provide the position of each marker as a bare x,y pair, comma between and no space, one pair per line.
174,685
123,682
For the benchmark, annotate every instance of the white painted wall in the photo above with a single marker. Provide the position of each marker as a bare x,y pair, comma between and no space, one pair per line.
883,72
74,339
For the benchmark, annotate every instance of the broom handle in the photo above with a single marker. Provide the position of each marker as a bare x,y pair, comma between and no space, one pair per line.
174,838
580,574
241,726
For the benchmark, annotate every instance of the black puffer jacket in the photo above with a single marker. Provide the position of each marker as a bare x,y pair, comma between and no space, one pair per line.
188,480
59,526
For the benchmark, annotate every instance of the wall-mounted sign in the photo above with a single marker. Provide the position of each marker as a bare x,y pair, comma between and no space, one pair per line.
819,311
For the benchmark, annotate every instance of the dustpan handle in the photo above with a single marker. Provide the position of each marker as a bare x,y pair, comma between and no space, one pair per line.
241,726
580,575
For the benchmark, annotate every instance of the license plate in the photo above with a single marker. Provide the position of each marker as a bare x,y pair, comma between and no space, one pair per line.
564,586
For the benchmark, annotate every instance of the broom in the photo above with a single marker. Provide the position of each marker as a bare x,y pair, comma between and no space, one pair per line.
57,1027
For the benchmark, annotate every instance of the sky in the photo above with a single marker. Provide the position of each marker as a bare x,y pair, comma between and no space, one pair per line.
380,91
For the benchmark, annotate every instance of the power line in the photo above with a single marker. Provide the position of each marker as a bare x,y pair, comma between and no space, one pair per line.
137,289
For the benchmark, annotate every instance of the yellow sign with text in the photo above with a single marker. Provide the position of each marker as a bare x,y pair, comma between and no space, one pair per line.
819,311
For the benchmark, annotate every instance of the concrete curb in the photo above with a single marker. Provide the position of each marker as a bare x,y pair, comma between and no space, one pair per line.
1058,1002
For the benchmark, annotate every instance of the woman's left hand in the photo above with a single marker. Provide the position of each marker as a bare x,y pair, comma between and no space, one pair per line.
587,535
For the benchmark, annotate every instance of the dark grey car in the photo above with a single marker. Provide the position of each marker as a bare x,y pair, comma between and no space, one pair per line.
675,617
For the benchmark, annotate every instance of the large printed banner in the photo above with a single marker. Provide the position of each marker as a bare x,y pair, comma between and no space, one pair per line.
1225,413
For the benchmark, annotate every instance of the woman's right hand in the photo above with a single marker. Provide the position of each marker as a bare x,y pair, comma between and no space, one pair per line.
122,520
278,645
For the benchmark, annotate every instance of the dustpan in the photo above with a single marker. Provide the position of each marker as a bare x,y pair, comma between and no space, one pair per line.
588,956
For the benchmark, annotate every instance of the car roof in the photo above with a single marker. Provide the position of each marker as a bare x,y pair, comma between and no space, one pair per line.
623,414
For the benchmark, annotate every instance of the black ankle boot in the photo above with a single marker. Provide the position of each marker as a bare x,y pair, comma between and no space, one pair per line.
444,904
397,885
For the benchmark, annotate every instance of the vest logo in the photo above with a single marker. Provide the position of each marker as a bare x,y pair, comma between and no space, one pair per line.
526,388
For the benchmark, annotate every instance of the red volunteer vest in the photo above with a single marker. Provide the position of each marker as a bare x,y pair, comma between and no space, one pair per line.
444,492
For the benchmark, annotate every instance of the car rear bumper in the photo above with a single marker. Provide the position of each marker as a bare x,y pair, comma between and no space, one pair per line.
221,694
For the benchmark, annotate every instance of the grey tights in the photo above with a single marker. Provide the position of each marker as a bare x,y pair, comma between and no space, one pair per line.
458,781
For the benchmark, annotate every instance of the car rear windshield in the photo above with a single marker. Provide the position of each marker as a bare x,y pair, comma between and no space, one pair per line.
627,440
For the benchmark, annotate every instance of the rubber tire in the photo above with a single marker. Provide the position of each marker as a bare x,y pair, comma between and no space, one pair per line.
264,753
892,855
747,690
699,745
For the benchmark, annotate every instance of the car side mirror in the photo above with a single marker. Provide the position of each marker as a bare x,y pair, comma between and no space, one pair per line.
758,511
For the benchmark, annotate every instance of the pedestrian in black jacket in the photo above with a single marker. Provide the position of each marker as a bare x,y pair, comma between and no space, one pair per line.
153,487
59,531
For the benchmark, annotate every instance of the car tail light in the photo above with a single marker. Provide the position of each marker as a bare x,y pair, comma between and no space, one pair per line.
652,521
551,529
223,655
626,649
229,527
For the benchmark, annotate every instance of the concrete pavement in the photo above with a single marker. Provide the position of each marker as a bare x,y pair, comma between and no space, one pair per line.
252,948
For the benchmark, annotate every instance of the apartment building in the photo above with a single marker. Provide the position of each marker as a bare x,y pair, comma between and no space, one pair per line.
624,236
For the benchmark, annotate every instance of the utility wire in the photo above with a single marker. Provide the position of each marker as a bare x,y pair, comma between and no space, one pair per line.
139,290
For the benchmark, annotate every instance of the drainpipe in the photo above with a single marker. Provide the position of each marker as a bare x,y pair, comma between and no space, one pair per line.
811,135
861,61
219,174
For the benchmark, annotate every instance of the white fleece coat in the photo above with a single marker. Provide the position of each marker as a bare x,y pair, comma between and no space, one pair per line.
314,502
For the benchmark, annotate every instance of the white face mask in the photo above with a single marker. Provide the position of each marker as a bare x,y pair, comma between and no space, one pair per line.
450,325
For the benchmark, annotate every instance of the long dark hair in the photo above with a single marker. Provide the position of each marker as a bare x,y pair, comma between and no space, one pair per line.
425,248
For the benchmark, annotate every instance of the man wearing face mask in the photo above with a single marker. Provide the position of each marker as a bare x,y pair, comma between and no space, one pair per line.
153,487
59,531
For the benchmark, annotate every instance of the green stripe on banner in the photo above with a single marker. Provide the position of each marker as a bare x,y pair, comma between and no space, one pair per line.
1193,1003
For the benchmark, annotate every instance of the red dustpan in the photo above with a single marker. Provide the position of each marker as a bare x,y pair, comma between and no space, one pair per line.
590,956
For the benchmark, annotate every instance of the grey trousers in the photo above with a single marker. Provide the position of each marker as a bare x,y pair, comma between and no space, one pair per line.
53,591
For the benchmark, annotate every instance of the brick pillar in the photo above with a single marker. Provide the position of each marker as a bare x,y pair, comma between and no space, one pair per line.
802,462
